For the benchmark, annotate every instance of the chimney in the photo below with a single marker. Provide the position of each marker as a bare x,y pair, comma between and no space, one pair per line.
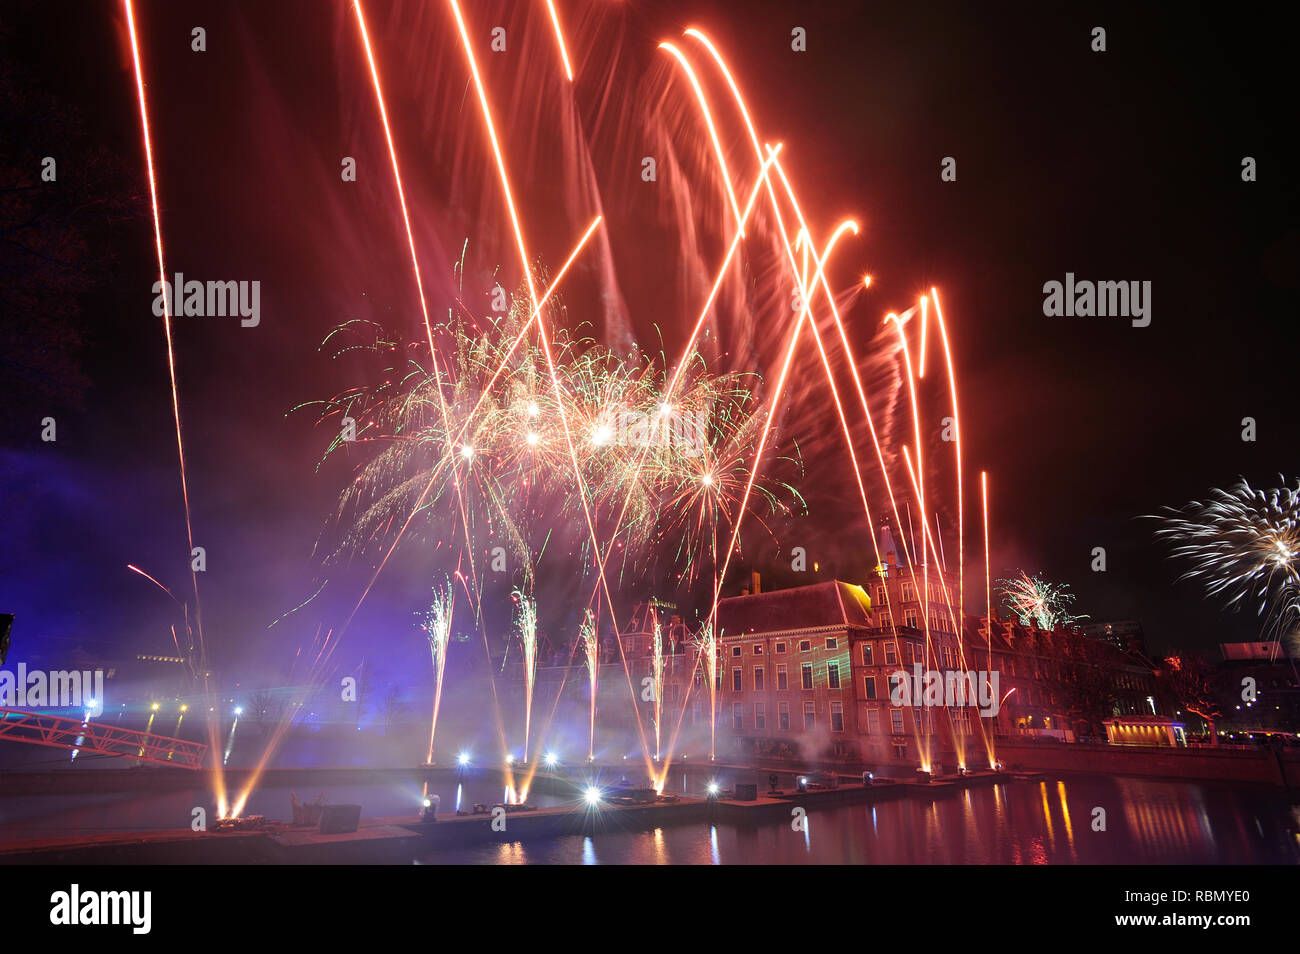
756,583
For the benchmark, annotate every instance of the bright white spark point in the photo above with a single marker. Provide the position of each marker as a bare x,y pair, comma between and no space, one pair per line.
466,451
592,795
707,480
533,409
533,438
462,759
602,435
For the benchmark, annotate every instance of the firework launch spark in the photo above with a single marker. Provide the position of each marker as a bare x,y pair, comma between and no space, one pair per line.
527,629
437,628
591,649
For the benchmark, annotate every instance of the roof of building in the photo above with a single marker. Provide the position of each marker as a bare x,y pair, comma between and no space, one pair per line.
834,603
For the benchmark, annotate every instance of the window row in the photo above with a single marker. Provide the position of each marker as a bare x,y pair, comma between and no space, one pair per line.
759,677
805,646
783,716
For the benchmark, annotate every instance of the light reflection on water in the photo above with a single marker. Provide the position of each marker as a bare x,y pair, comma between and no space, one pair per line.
1049,822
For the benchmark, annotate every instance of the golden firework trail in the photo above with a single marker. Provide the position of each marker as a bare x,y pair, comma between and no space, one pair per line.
657,664
213,721
527,629
590,640
437,628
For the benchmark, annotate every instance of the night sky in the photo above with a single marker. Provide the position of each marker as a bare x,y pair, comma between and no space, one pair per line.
1122,165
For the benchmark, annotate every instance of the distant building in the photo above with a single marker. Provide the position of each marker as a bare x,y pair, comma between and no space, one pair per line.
809,671
1125,634
1257,691
786,670
1237,652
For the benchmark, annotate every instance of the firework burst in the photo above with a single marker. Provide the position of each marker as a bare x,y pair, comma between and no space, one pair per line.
1243,544
1034,600
485,436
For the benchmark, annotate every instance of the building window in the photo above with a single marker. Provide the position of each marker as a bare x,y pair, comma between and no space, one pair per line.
891,656
871,687
909,593
735,680
833,675
873,721
832,642
866,654
884,621
735,650
806,675
837,717
782,681
805,645
894,683
896,721
758,649
881,597
760,715
780,647
783,716
809,716
737,716
758,679
909,618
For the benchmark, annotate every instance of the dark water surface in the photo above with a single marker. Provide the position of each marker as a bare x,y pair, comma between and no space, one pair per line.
1051,822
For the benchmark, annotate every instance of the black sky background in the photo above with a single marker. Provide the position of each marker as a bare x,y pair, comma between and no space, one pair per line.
1122,165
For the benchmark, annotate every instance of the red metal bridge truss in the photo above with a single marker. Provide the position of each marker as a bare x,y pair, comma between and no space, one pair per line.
36,728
